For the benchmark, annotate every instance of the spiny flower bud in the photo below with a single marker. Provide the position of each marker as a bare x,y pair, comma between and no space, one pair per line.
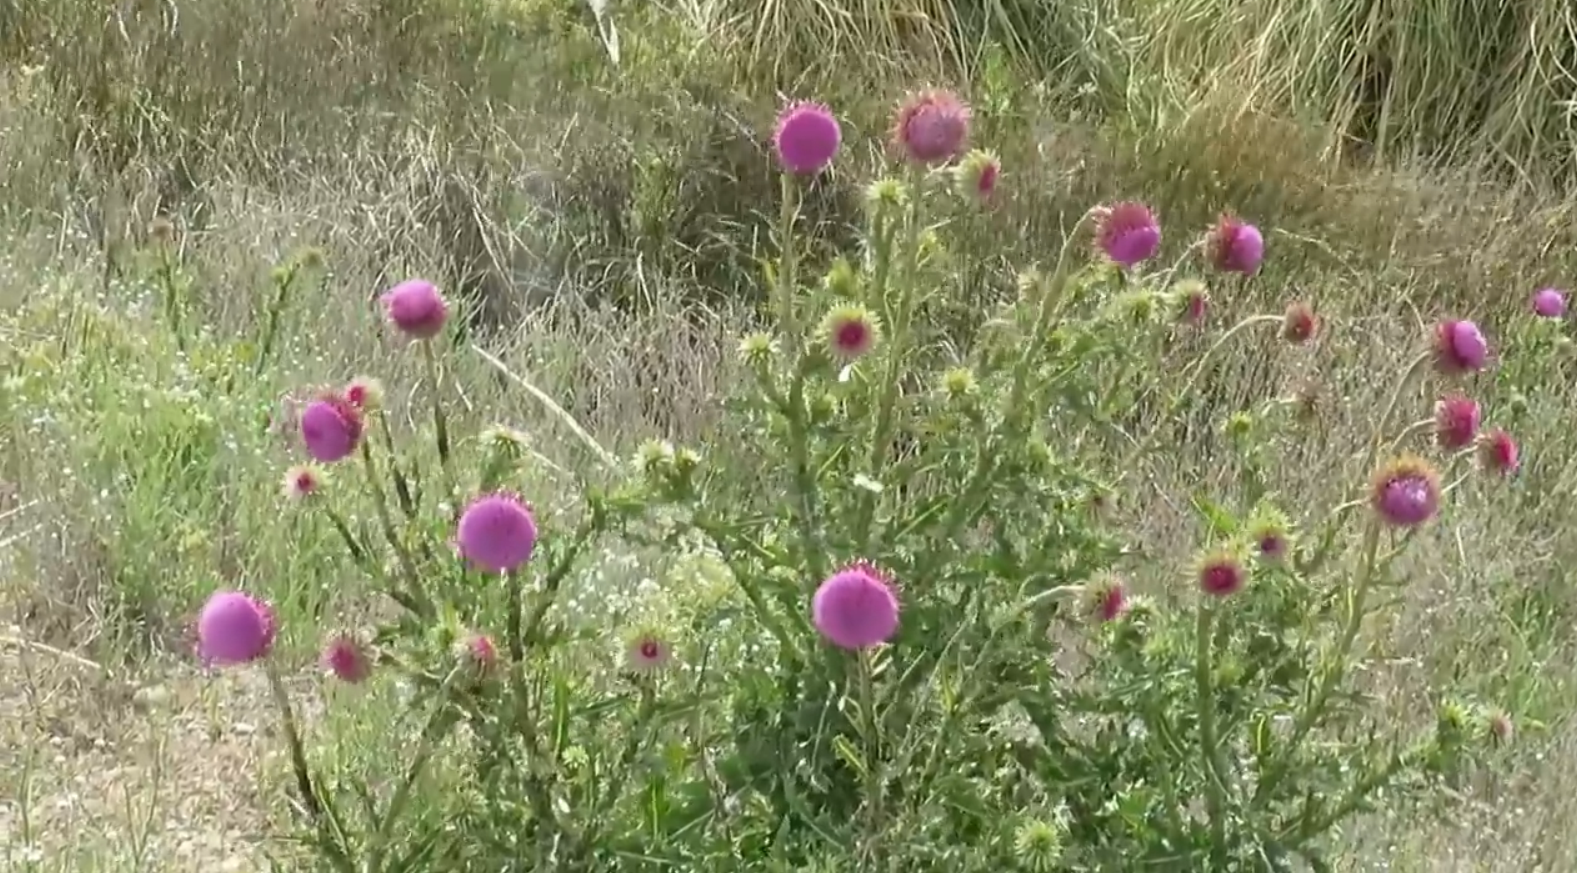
841,280
365,393
1497,452
1221,574
758,349
655,458
1271,533
884,195
1193,299
976,176
301,482
1456,421
959,383
1038,845
1107,598
850,331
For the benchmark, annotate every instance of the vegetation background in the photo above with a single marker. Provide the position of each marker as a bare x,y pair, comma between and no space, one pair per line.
592,181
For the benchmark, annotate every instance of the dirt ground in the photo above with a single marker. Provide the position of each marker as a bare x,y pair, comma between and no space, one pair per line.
157,772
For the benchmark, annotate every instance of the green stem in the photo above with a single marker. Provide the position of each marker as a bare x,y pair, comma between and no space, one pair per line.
806,489
1335,669
276,311
381,503
292,729
870,727
891,388
440,423
438,722
1209,741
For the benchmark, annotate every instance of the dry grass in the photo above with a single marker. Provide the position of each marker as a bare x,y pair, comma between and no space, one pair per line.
134,761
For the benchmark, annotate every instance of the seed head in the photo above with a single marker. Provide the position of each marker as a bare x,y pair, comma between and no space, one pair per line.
331,428
1235,247
1549,303
417,308
856,607
1405,492
1221,574
931,127
1456,421
806,138
1460,347
1497,452
301,482
1128,233
850,331
345,659
234,628
1300,324
497,533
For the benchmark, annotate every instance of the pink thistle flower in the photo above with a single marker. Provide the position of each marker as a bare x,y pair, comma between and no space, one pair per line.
331,428
416,307
806,138
1549,303
1108,599
1235,247
647,652
1460,347
1456,421
345,659
932,127
1128,233
234,628
301,482
1221,574
851,331
1497,452
497,533
1300,324
1405,492
856,607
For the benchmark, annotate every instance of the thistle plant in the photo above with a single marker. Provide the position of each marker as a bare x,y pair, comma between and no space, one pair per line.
907,629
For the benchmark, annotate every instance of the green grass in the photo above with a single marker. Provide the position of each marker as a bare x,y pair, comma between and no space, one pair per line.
603,229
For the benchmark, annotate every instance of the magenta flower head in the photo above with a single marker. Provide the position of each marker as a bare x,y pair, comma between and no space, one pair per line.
977,175
1460,347
330,428
345,659
856,607
851,332
932,127
806,138
1235,247
497,533
1497,452
1128,233
1549,303
234,628
1456,421
1405,492
1221,574
1299,324
647,652
416,308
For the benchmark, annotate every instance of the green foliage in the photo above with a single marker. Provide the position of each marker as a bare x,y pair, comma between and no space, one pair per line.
1031,712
